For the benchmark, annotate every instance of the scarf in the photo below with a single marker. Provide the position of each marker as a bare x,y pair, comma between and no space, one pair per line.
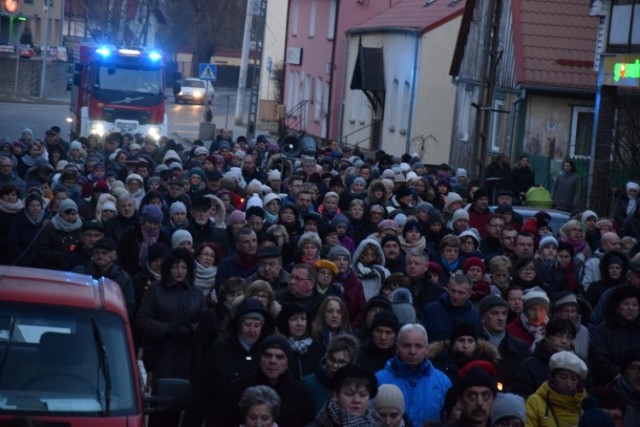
340,417
205,277
421,244
310,261
300,346
11,208
35,220
62,225
246,343
631,206
496,339
578,245
365,272
149,237
537,332
450,266
269,217
28,160
152,273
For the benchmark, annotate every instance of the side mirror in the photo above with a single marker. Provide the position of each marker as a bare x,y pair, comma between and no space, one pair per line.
76,79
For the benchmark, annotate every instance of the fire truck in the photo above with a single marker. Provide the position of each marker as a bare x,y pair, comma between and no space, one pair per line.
118,89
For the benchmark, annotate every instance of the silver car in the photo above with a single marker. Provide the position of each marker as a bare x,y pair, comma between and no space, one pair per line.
195,90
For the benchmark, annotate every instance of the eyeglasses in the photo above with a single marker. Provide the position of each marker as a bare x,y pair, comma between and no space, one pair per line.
298,279
207,254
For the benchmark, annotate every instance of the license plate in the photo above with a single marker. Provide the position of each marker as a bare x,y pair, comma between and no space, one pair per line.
126,125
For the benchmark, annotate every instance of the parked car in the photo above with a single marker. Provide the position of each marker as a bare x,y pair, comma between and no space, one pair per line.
558,217
195,90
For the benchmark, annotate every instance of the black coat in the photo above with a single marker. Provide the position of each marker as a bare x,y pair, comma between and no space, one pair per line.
114,227
296,409
21,236
512,353
609,346
52,244
532,372
374,358
302,364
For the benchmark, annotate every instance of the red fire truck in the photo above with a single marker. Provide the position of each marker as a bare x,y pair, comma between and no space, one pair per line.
118,90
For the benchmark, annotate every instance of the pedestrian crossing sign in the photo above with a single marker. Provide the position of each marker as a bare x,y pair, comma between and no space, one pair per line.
208,72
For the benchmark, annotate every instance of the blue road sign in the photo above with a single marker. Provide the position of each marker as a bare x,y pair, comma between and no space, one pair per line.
208,72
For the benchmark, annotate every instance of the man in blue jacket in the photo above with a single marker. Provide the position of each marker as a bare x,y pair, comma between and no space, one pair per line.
423,386
453,306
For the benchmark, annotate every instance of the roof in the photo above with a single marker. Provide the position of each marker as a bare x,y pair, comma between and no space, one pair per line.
555,43
40,286
419,15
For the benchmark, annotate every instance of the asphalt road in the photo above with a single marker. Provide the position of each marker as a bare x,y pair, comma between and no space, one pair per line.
184,119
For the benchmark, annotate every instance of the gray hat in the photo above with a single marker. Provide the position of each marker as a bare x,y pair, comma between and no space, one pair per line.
337,251
180,236
269,251
491,301
67,205
507,405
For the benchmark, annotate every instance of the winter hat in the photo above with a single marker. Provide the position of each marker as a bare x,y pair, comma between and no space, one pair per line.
177,207
388,224
568,361
434,267
156,251
402,191
461,172
68,205
490,302
201,203
254,211
274,175
75,145
275,341
460,214
331,194
329,265
88,225
404,167
477,377
435,217
402,305
200,151
377,301
386,318
424,207
337,251
109,206
485,365
152,214
632,355
353,371
472,232
473,262
254,200
593,415
604,222
389,396
309,238
463,329
106,243
480,192
535,296
411,176
410,225
546,241
268,198
180,236
452,198
360,180
340,219
560,299
507,405
588,214
399,217
389,238
614,259
236,217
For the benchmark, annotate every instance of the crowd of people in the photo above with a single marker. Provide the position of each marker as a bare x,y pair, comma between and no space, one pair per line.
340,290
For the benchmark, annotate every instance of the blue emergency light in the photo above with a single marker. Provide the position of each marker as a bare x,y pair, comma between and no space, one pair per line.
155,56
103,51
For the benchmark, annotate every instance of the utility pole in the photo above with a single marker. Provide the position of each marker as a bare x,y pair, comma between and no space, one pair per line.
244,63
257,39
48,4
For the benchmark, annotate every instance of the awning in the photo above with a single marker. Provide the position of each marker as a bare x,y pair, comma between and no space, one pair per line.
368,75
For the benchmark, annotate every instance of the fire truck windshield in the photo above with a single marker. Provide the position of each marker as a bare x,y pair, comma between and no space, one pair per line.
130,80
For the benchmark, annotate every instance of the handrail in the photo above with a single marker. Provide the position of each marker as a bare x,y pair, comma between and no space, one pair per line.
346,137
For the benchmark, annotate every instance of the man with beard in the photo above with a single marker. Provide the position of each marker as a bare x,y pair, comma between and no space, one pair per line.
393,255
422,289
476,393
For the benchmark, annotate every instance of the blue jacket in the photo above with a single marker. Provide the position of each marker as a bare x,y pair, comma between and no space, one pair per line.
439,316
424,389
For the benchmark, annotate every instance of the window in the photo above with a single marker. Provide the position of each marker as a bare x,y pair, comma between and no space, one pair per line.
317,100
331,30
496,125
465,114
353,103
312,18
393,106
296,18
406,106
624,30
291,86
581,132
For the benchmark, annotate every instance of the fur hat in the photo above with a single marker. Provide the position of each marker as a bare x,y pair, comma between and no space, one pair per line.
389,396
568,361
402,305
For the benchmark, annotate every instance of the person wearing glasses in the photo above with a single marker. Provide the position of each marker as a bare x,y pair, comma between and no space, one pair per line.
301,289
59,236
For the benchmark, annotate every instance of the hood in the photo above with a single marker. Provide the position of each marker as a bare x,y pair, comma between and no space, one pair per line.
484,350
220,211
171,155
249,305
362,245
604,271
376,184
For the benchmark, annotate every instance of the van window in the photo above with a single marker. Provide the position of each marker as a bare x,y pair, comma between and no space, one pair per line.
64,360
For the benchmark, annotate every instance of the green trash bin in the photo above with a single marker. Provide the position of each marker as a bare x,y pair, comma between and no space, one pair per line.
538,197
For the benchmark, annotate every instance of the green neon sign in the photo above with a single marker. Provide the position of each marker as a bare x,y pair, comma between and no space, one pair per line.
626,70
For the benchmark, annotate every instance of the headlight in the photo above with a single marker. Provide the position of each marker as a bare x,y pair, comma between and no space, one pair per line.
98,129
197,94
155,133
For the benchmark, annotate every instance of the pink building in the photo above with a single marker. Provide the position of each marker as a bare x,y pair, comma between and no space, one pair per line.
315,58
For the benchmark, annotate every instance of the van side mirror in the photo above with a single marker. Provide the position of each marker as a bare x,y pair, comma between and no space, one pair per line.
170,394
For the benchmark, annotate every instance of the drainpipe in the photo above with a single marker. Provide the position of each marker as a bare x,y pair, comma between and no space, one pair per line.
332,71
416,61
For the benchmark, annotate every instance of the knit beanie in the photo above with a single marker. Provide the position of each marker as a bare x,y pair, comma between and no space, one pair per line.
568,361
535,296
275,341
389,396
136,177
156,251
337,251
177,207
632,355
402,306
434,216
388,224
473,262
340,219
477,377
274,175
480,193
588,214
180,236
546,241
68,205
410,225
385,318
402,191
507,405
254,211
560,299
151,214
236,217
377,301
452,198
460,214
592,415
491,301
463,329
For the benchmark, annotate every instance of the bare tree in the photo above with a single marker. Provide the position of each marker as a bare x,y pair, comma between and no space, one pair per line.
626,144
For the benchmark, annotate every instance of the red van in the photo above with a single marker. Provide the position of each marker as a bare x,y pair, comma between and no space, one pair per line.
67,355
